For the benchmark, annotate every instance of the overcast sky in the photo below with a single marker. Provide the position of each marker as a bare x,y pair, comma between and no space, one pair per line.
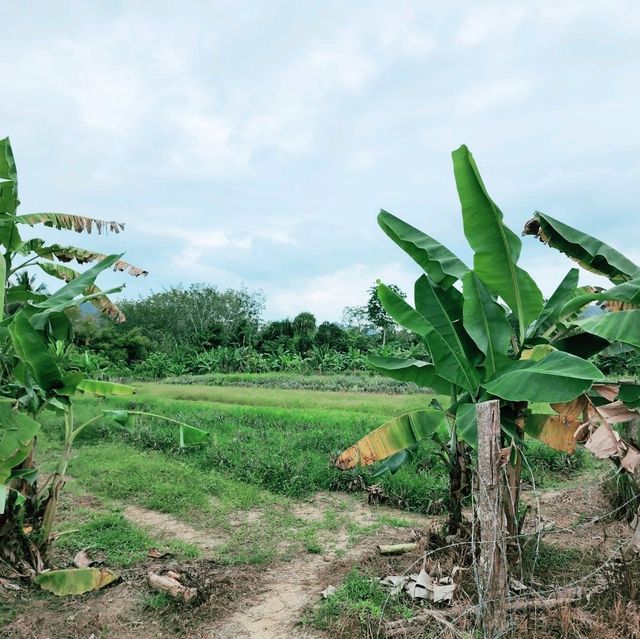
253,143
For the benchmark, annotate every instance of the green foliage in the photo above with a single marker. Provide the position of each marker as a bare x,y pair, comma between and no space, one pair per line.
111,536
200,317
497,339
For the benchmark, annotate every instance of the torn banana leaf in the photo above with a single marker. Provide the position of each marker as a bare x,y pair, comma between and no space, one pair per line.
75,581
591,253
391,438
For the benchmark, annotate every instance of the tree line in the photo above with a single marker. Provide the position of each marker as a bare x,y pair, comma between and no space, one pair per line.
203,329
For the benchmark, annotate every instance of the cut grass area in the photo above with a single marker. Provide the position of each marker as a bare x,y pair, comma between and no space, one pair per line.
366,403
362,381
288,451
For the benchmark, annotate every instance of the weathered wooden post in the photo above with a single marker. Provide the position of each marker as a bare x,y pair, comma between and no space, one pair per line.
492,568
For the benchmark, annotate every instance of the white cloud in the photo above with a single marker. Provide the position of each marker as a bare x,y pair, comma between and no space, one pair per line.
491,95
326,295
489,20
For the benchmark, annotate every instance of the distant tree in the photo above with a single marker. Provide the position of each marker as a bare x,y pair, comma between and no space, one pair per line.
377,315
200,316
276,334
331,335
304,329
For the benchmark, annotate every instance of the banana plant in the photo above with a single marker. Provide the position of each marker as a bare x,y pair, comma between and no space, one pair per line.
490,334
35,332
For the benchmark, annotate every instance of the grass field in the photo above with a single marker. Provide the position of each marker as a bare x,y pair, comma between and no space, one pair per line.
261,490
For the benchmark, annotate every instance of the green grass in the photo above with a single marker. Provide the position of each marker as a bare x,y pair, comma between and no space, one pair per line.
359,599
109,536
283,441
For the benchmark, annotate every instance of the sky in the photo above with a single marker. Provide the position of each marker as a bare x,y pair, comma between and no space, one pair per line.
253,143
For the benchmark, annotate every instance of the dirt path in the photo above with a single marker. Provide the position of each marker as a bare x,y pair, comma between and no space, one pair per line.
291,587
168,527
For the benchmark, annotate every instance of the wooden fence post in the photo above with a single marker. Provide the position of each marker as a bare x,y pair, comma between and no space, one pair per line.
492,571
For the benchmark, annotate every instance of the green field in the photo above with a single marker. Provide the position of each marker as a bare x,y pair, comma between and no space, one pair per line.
277,440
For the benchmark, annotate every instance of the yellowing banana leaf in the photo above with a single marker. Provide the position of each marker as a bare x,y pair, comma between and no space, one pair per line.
75,581
396,435
103,389
557,431
496,248
538,352
437,261
84,256
590,252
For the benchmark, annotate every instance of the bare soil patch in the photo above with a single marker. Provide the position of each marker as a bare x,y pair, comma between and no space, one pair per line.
168,527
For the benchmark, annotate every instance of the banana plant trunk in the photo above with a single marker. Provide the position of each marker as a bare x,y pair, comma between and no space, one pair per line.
459,484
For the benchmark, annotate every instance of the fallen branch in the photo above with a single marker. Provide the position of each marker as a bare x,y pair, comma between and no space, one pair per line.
397,549
414,626
172,587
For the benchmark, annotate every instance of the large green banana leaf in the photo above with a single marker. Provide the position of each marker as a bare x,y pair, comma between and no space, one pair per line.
409,370
81,284
554,305
583,345
630,395
450,363
590,252
558,377
485,321
98,297
396,435
496,247
9,179
437,261
430,305
17,431
33,352
614,327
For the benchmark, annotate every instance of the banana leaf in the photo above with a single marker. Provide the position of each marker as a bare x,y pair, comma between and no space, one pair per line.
437,261
496,247
391,438
591,253
614,327
558,377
